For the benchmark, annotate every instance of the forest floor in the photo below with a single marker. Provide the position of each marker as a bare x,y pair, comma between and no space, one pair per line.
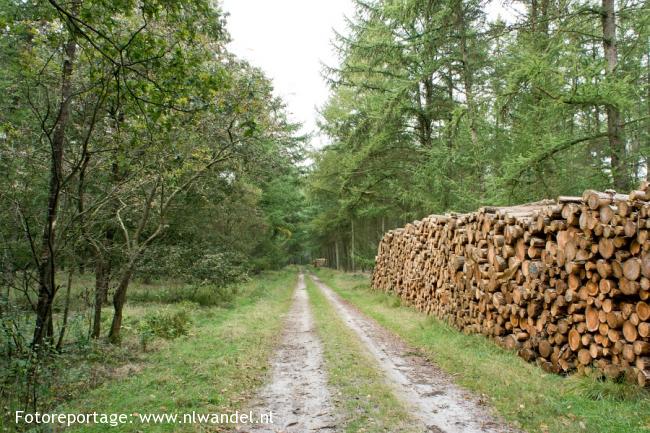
522,393
325,353
216,368
427,393
297,392
300,397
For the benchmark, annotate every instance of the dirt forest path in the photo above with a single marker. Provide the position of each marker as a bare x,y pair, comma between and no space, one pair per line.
425,390
297,393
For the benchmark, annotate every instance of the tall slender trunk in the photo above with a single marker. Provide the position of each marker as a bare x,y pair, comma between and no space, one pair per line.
468,78
102,278
135,248
544,17
336,253
594,56
352,243
81,190
47,264
66,311
614,129
448,170
533,15
104,265
103,269
424,121
426,89
468,82
99,256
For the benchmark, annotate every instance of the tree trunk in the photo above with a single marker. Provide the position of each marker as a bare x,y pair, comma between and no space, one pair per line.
135,248
102,278
352,244
425,118
446,196
533,15
543,19
84,250
104,262
336,252
119,299
66,311
614,129
468,78
47,266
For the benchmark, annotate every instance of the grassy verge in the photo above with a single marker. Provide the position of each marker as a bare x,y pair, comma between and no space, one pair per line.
520,391
365,401
215,368
83,363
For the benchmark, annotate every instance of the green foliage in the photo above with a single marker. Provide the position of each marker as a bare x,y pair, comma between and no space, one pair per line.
192,264
435,107
205,295
173,158
217,269
599,388
175,152
164,323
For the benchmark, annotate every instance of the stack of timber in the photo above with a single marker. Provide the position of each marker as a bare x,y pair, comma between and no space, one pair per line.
565,283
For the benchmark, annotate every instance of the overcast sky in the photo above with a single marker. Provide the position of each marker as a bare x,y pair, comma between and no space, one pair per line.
290,40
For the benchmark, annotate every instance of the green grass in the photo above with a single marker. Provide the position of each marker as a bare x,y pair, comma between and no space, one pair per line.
520,391
361,396
83,363
142,297
204,295
213,369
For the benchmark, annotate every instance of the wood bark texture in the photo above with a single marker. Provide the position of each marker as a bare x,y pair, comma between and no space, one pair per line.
553,280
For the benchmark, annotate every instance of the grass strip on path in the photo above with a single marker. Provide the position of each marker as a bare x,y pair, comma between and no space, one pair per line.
215,369
366,402
521,392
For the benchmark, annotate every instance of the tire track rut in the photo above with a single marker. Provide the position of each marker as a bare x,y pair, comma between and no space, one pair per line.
428,392
298,393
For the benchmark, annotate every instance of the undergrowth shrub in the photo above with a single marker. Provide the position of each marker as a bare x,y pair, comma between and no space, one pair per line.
197,264
218,269
361,286
164,323
364,263
205,295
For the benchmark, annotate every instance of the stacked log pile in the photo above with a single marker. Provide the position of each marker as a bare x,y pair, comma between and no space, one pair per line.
564,282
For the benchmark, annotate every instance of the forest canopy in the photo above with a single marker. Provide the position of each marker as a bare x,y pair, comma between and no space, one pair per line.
436,108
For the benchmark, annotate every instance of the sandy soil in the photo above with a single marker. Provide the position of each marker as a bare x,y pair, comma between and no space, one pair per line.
297,393
428,392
